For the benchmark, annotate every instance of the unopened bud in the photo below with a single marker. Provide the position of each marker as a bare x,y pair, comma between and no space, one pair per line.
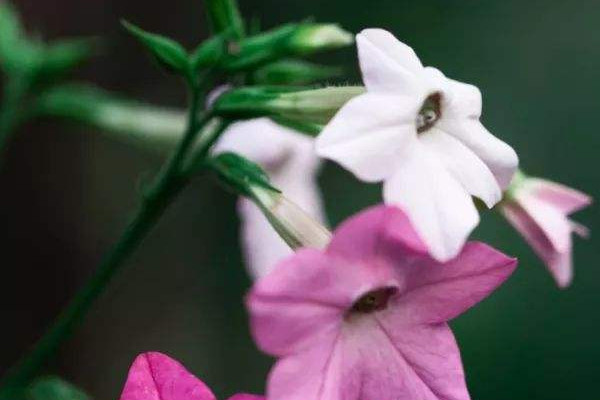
310,38
293,224
316,106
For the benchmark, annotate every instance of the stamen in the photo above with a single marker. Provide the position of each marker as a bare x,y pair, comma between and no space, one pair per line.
374,300
430,112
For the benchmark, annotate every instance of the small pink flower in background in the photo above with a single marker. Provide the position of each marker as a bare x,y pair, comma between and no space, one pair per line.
539,210
289,159
155,376
419,132
366,318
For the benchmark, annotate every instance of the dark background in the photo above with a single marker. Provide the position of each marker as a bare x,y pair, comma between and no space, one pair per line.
67,190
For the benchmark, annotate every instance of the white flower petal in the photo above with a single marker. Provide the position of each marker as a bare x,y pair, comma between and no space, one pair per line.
464,165
388,65
461,100
441,211
387,43
260,140
368,133
500,158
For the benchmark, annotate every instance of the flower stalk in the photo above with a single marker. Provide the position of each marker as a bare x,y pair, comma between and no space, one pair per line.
167,185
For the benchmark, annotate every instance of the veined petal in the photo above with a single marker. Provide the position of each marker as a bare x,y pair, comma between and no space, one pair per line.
436,293
564,198
306,296
432,357
500,158
388,65
369,133
155,376
441,211
464,165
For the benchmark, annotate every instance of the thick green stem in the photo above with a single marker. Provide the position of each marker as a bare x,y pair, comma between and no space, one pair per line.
167,185
15,91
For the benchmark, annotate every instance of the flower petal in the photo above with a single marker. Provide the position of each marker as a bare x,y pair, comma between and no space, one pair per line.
464,165
441,211
155,376
306,296
557,260
429,357
320,373
388,65
363,236
369,133
564,198
436,293
500,158
260,140
461,100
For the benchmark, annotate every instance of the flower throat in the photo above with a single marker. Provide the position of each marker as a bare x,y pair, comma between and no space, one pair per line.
375,300
430,113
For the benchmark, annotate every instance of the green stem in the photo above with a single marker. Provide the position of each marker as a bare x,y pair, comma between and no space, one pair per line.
15,91
167,185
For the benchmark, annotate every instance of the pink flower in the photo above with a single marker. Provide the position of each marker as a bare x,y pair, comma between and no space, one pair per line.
155,376
365,319
539,210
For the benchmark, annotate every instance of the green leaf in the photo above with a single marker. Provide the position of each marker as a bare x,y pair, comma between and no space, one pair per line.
10,26
168,52
294,72
54,388
240,173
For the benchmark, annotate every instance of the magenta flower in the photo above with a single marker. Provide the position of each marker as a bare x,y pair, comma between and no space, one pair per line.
155,376
365,319
539,210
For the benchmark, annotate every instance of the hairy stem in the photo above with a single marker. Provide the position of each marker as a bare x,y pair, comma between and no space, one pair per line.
166,186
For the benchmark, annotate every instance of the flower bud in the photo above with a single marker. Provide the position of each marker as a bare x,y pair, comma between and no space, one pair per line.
315,106
310,38
290,40
294,225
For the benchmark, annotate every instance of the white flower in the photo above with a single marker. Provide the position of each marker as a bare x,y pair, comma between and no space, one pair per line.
419,132
289,159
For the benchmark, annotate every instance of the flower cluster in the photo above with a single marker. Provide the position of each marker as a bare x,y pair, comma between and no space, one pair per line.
366,315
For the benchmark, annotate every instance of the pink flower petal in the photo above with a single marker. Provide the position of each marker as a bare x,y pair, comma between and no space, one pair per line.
563,198
559,263
362,236
435,293
306,296
155,376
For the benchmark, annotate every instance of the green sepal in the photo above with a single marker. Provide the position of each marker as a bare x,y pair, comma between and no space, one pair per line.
167,52
11,30
210,52
224,15
294,72
240,174
308,128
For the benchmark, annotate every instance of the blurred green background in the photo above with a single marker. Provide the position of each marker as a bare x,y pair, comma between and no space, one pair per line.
67,190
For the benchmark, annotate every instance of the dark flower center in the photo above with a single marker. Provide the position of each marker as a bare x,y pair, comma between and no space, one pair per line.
430,112
374,300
